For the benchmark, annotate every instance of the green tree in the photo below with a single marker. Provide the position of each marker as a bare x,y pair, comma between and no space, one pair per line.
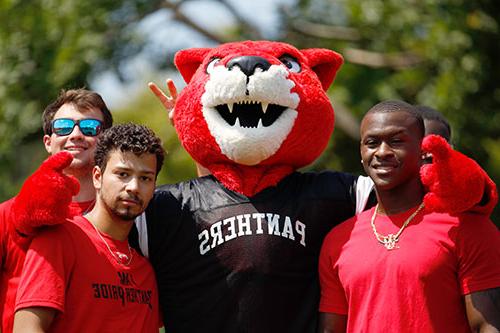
440,53
46,46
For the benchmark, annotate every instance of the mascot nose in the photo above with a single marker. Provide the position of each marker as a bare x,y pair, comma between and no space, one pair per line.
248,64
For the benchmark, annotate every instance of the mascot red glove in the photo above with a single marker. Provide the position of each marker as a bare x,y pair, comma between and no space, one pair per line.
455,182
46,195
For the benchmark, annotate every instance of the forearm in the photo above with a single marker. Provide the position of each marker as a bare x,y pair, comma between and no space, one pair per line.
332,323
483,310
33,320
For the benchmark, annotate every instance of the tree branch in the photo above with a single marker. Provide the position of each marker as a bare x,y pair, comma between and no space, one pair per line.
345,120
252,30
179,16
324,31
398,60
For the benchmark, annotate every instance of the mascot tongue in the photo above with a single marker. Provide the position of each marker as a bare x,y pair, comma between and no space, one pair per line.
253,112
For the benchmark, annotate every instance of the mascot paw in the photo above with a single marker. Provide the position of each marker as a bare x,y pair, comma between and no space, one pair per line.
455,182
46,195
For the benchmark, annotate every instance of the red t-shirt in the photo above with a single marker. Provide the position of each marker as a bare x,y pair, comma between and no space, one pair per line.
417,287
69,268
11,262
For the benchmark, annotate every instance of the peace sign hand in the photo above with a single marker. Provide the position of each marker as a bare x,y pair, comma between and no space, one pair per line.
168,102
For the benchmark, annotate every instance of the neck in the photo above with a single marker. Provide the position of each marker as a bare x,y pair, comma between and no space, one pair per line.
87,189
399,200
108,223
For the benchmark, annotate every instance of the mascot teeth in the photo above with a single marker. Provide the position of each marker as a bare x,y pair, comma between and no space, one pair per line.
249,116
250,113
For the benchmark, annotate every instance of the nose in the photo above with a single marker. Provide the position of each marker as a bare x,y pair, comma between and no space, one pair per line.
76,133
248,64
133,185
383,150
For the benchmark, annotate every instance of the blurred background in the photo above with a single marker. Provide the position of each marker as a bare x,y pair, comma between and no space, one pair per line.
439,53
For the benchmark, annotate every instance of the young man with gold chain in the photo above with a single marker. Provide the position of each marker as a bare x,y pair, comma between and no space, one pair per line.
399,267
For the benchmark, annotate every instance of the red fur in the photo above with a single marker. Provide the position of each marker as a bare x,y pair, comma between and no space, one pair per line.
45,196
306,141
455,182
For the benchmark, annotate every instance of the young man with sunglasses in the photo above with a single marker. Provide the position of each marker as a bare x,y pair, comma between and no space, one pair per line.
72,123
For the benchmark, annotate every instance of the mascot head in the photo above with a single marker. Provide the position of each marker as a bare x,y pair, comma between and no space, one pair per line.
254,111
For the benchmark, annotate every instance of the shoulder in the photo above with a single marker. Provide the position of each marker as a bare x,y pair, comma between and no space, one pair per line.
61,233
464,223
323,184
5,210
478,226
326,176
186,189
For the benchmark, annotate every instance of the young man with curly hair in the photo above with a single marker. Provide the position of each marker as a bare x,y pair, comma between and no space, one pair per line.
84,275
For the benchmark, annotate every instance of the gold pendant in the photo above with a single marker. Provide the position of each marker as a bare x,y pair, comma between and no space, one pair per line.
123,258
389,242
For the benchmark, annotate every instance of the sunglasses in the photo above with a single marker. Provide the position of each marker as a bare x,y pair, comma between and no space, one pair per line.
88,127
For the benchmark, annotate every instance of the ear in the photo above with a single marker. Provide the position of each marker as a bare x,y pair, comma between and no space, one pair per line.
325,63
188,61
97,177
46,142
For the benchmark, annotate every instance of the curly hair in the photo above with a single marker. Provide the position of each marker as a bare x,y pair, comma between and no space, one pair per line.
82,99
129,137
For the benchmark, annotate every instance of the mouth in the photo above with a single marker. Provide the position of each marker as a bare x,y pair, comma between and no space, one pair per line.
74,149
250,114
130,201
384,168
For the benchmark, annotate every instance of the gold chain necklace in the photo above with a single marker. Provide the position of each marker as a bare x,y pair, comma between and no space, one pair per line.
390,240
118,256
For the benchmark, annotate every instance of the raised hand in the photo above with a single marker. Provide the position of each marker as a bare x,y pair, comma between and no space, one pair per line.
45,196
168,102
455,182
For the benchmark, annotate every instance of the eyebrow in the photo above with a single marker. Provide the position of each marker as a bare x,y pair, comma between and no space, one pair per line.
123,168
377,132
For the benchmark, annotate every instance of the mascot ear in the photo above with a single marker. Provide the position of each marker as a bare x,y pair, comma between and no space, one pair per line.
325,63
188,61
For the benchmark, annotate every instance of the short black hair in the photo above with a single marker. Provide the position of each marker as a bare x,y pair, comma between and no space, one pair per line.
398,106
129,137
429,113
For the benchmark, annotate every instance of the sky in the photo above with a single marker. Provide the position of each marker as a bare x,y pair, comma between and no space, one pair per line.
161,31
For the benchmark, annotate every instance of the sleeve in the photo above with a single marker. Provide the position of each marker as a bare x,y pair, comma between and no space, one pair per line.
3,231
333,299
478,251
46,272
160,227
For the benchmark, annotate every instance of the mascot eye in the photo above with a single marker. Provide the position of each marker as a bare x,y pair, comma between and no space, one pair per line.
291,63
211,65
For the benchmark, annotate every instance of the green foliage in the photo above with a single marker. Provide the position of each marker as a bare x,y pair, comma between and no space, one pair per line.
452,46
46,46
456,42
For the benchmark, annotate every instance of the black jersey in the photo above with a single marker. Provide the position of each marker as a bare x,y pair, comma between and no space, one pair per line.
229,263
